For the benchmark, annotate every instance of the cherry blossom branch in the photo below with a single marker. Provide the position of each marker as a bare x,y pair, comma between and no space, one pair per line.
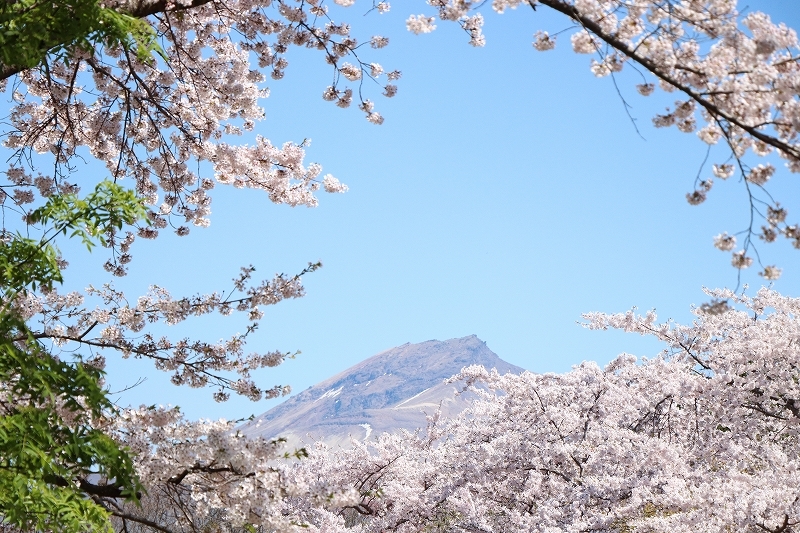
715,110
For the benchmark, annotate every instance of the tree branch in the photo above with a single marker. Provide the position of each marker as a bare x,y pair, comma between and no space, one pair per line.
143,521
101,491
624,48
134,8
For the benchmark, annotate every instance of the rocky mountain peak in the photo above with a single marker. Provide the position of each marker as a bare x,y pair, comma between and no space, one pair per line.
391,390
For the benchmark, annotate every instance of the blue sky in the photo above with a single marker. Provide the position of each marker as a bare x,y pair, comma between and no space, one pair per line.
506,194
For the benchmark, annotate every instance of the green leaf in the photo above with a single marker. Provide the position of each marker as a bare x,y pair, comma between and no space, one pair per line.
30,30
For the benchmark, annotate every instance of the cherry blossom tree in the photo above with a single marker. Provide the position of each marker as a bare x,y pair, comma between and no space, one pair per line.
702,437
734,77
160,91
152,101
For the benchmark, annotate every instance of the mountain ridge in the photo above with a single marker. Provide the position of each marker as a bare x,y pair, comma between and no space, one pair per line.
393,389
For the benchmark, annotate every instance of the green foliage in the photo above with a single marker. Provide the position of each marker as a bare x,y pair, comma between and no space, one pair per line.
42,455
39,502
32,29
27,263
52,454
53,457
109,207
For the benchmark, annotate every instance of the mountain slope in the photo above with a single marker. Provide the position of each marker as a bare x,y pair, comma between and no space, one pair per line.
391,390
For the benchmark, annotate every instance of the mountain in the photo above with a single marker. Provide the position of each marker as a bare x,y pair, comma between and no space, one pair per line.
394,389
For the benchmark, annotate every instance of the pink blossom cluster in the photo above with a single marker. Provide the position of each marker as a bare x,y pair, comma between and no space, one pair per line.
207,466
172,129
120,325
737,77
701,438
167,125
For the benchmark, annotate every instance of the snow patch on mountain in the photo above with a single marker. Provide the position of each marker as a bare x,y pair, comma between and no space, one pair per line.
331,394
412,398
395,389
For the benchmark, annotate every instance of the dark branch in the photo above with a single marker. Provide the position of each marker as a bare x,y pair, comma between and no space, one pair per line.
624,48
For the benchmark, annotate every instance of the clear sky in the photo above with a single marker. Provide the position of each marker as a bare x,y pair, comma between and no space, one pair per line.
506,194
